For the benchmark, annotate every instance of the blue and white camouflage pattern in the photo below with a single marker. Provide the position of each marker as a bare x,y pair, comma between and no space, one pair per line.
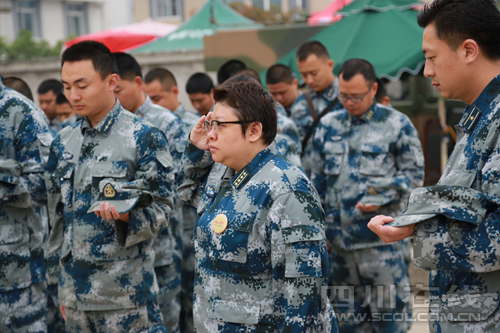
461,246
168,245
108,266
24,145
374,159
267,270
301,115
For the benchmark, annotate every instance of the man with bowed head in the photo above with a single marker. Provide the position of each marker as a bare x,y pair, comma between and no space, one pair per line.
455,224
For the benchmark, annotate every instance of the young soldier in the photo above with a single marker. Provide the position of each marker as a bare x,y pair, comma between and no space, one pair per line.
111,183
455,224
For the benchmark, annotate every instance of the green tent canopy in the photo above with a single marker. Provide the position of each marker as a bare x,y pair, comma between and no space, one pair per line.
214,15
378,5
390,39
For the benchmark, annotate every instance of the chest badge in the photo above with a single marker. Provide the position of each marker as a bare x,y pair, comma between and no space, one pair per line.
109,191
219,224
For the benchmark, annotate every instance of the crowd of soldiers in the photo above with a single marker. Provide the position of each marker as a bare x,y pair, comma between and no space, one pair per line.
267,209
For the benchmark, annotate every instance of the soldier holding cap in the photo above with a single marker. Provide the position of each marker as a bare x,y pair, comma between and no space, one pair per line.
455,224
366,158
111,180
260,242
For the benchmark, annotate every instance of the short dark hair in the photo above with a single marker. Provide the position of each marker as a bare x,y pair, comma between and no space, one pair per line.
312,47
18,85
251,102
127,66
199,83
458,20
96,52
50,85
355,66
278,73
166,77
229,68
61,99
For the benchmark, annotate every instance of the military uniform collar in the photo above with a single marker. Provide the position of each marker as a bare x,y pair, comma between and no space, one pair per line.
280,109
365,117
331,92
245,174
105,124
144,107
180,110
480,107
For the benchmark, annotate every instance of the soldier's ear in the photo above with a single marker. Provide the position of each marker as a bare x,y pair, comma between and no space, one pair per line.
112,81
254,131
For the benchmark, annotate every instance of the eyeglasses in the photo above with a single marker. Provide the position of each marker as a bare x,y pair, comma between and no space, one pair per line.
353,98
214,124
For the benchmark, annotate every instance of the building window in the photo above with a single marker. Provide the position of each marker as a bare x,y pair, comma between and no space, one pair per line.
302,5
76,19
267,4
164,8
27,16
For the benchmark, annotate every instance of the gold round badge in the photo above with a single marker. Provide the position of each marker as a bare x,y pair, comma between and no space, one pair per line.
109,191
219,224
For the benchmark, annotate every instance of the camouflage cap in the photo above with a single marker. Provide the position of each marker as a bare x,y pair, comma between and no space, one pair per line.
455,202
117,195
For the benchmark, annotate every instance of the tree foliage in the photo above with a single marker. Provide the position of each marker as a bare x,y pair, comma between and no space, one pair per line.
25,47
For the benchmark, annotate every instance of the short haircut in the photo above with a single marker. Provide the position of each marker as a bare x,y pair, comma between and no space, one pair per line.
229,68
163,75
50,85
199,83
249,72
312,47
251,102
127,66
458,20
97,53
355,66
278,73
18,85
61,99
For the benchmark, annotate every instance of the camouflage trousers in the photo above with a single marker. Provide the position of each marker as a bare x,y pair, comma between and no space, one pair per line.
146,319
370,289
55,322
187,274
169,284
24,310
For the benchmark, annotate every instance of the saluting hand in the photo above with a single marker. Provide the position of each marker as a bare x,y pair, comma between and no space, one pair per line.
199,134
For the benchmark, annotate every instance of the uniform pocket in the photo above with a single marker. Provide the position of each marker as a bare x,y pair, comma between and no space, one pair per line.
334,157
15,256
235,312
470,307
303,251
375,160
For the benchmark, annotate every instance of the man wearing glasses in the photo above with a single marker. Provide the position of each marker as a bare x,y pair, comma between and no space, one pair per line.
366,157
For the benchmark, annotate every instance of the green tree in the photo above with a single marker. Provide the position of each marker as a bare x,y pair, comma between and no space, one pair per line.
25,47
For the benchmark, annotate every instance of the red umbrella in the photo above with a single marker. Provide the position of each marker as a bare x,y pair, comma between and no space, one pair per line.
127,37
329,14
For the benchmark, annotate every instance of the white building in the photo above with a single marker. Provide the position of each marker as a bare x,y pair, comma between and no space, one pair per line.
55,20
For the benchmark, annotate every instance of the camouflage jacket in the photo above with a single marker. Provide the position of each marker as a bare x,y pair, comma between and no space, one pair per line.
174,129
461,245
287,142
188,117
24,145
107,265
301,115
265,269
373,159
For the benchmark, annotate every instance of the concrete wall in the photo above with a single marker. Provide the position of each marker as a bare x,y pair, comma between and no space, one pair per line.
182,64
